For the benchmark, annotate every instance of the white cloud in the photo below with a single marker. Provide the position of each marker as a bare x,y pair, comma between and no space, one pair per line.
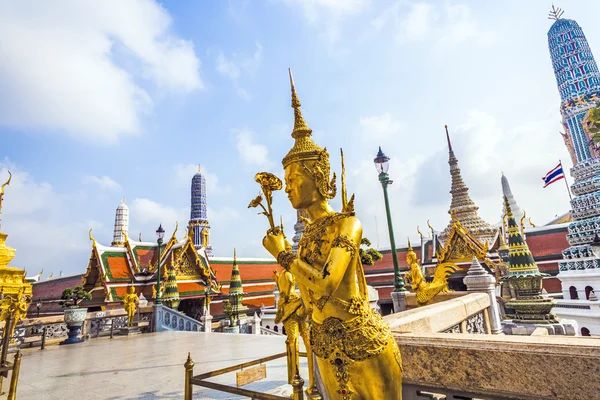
227,67
41,226
418,23
379,127
233,67
185,172
313,9
446,25
83,60
329,15
103,182
250,152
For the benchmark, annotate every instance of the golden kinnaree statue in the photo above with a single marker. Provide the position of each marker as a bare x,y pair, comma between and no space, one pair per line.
425,291
357,356
130,302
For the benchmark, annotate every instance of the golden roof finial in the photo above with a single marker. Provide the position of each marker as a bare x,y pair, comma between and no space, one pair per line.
199,169
140,237
123,200
92,238
234,257
2,189
419,232
176,227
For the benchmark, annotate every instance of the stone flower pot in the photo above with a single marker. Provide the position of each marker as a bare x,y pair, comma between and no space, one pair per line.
74,318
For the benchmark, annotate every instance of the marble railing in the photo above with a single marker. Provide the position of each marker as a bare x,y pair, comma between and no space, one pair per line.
467,314
166,319
442,360
104,323
265,331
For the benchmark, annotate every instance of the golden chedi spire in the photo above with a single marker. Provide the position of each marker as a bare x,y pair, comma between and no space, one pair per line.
462,207
304,147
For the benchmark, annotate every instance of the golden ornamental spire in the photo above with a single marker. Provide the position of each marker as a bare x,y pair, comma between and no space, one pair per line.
92,238
234,256
199,169
123,200
304,147
2,190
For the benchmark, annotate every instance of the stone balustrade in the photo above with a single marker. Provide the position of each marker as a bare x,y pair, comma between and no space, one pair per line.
441,360
498,367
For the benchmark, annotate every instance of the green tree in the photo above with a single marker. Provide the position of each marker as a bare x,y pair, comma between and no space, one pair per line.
368,255
594,125
72,297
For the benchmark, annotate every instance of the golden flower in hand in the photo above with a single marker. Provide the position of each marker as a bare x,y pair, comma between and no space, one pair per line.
256,202
268,181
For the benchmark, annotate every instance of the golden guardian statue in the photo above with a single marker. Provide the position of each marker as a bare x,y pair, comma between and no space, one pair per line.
130,302
357,355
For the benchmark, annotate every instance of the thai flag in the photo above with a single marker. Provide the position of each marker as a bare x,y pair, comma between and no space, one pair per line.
554,175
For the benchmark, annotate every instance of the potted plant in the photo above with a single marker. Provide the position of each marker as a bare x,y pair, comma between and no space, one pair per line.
74,316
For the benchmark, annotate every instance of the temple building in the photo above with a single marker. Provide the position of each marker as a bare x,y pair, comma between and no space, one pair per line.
578,81
188,270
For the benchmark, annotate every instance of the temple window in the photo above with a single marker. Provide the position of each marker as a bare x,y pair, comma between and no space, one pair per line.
573,293
585,332
588,290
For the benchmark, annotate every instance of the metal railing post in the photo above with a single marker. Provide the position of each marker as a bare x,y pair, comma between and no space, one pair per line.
112,326
14,379
43,338
189,373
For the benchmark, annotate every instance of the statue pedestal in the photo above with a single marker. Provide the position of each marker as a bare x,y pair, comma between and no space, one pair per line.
231,329
399,300
134,329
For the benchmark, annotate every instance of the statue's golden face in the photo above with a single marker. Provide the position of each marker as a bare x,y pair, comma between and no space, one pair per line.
300,187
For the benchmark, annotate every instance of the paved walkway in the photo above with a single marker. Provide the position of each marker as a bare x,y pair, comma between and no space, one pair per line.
148,366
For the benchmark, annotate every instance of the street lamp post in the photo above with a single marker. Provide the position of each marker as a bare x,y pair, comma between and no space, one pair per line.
160,234
382,164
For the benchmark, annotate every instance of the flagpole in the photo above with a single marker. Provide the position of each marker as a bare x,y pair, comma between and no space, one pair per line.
565,178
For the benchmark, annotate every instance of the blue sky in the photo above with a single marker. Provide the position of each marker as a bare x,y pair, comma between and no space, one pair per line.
100,100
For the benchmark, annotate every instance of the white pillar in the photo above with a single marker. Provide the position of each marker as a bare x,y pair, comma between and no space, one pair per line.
479,280
256,324
206,319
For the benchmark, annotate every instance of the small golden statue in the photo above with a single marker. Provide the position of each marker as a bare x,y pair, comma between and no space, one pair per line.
130,302
424,290
357,355
293,315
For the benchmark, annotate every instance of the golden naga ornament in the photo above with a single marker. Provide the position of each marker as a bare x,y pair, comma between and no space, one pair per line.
357,356
425,291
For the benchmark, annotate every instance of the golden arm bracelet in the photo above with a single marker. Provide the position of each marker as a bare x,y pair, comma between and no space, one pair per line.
285,259
344,242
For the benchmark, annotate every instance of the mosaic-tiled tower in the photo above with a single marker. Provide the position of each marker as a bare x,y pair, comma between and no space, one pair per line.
578,82
198,225
121,224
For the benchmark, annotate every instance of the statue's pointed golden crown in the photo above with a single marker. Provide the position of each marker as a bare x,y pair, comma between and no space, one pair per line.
304,148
